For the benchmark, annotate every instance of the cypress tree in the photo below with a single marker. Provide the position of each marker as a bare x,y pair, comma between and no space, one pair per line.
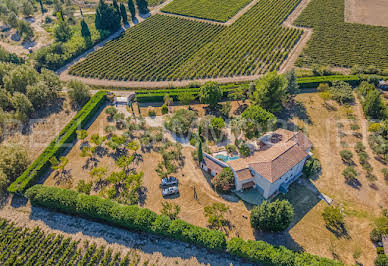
115,5
123,13
41,6
142,6
85,29
107,17
131,8
200,154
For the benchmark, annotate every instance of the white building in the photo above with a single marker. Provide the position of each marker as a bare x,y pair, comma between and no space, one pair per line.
124,100
277,161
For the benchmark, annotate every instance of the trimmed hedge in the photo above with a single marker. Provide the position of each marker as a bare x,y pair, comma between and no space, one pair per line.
58,145
313,82
150,96
130,217
264,253
141,219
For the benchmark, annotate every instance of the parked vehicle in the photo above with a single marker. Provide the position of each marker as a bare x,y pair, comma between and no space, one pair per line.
170,191
169,181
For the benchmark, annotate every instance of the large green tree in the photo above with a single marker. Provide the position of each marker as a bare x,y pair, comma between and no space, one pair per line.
210,93
78,92
272,217
123,13
62,32
373,105
131,8
107,17
142,6
271,92
256,120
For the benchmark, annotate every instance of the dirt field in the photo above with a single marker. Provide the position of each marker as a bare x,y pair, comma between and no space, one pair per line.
371,12
361,205
41,131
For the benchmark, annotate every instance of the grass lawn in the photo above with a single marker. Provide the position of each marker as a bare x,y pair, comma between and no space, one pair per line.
217,10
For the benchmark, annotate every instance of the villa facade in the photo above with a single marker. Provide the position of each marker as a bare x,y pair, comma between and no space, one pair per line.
276,161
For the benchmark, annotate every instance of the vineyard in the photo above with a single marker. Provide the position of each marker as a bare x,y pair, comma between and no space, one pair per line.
149,51
217,10
168,48
337,43
34,247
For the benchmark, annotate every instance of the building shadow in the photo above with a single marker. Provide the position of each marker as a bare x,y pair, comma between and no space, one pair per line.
303,198
147,243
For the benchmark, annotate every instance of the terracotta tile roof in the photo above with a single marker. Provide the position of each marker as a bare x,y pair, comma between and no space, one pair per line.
212,164
274,162
244,174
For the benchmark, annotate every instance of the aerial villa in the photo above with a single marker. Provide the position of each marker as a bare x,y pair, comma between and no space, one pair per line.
276,161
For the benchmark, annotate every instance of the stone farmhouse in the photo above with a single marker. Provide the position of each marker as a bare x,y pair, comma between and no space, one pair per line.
276,161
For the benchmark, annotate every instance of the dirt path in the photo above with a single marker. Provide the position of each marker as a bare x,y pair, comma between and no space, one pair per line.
287,65
154,249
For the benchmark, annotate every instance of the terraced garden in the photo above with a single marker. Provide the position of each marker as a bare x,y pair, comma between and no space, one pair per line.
217,10
20,246
169,48
337,43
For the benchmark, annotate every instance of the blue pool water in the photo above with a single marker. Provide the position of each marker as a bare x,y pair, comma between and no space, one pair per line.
226,158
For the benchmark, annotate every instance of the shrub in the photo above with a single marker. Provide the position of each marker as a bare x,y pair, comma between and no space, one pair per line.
78,92
381,260
380,229
151,113
342,92
346,156
375,127
84,187
311,167
333,218
244,150
359,147
350,174
161,225
385,173
224,181
272,217
181,121
164,109
231,148
58,145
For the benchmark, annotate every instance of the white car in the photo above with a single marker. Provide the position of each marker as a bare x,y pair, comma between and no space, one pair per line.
170,191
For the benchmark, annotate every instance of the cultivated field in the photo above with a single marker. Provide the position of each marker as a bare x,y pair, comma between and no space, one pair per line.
217,10
371,12
341,44
254,44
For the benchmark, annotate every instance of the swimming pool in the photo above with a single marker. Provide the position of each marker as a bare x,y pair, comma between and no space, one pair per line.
226,158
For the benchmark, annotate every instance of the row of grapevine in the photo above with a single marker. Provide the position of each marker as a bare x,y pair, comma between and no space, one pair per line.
150,50
217,10
169,48
34,247
337,43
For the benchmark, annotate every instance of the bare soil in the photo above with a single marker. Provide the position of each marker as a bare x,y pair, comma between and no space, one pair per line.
370,12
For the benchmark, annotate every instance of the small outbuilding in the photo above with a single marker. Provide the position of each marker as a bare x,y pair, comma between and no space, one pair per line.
124,100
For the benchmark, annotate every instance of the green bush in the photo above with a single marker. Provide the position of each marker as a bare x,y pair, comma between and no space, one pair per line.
130,217
58,145
164,109
266,254
313,82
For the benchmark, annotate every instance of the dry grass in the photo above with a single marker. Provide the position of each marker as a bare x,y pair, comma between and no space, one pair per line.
360,205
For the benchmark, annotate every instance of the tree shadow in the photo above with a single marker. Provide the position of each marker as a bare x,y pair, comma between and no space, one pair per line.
295,109
142,195
354,183
339,232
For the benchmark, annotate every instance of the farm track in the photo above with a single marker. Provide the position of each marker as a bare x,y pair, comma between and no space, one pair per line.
286,65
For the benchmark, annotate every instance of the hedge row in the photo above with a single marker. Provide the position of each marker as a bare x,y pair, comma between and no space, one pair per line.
141,219
313,82
143,96
130,217
33,173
